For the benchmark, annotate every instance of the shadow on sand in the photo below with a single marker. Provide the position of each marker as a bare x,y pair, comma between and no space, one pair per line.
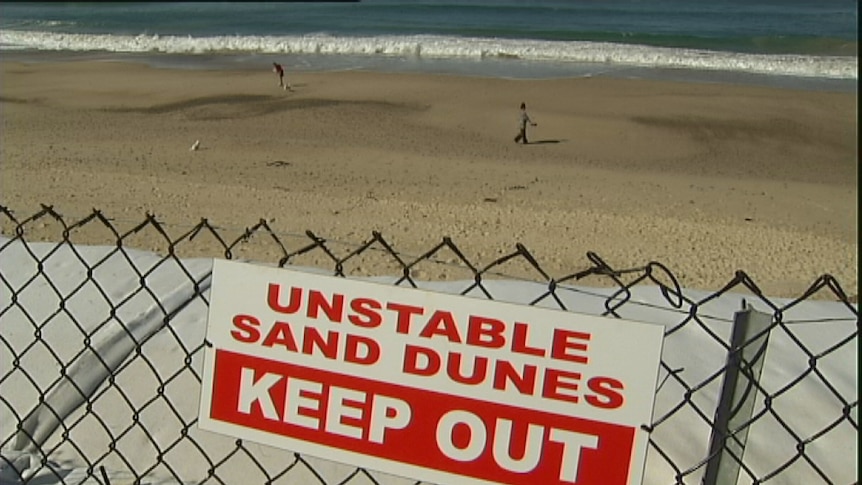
541,142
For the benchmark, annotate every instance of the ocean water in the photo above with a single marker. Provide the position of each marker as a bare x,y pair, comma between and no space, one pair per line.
767,41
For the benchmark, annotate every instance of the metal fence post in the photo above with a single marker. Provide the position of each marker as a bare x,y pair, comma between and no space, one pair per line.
738,395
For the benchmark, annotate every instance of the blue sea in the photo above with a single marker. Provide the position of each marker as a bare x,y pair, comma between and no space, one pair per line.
798,43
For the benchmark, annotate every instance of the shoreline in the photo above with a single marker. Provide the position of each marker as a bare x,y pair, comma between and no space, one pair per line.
513,69
707,179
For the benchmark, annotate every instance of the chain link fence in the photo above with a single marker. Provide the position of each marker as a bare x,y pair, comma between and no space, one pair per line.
83,371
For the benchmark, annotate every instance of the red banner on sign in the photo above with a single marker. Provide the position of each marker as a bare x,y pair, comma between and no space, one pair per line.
420,427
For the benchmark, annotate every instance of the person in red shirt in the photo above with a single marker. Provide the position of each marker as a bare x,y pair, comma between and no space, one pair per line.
279,70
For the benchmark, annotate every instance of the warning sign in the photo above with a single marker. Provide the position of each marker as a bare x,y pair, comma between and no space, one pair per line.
431,386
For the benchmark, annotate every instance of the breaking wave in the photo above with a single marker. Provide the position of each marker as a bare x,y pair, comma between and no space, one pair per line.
442,47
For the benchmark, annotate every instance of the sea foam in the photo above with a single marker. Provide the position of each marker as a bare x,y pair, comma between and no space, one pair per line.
442,47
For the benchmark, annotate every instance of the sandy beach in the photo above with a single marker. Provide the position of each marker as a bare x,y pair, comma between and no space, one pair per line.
707,179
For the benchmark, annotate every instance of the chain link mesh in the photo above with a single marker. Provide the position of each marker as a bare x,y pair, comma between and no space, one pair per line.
134,454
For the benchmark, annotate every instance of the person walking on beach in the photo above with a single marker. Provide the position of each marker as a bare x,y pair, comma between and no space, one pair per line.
279,70
523,119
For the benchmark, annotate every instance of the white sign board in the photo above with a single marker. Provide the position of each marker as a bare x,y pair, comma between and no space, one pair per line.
436,387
